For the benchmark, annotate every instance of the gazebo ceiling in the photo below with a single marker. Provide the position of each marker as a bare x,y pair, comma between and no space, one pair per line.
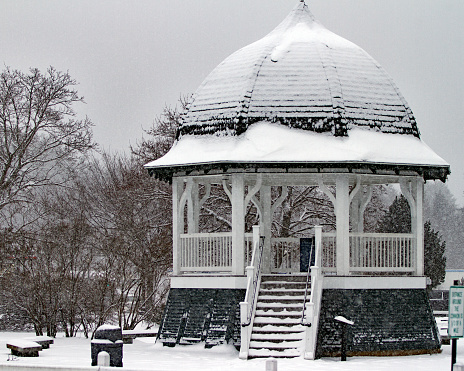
299,98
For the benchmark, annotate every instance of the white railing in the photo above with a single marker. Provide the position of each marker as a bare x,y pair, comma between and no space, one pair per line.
206,252
382,252
248,306
329,252
372,252
285,254
314,306
210,252
369,252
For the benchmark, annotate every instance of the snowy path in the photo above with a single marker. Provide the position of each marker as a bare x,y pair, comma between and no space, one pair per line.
144,355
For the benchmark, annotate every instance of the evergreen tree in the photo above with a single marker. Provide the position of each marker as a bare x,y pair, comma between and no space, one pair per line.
434,255
398,220
398,217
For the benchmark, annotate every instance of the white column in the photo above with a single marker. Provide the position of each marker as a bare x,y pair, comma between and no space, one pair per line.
190,206
342,214
265,197
195,214
238,223
177,223
355,214
419,227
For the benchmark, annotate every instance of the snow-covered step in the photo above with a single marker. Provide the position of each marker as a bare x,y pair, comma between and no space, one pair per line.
277,329
279,306
285,321
282,292
277,336
278,311
283,285
266,353
282,298
273,345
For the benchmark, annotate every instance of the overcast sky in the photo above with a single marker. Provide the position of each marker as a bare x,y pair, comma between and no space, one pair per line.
131,58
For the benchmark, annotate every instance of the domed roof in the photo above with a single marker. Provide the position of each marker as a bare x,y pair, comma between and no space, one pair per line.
303,76
299,98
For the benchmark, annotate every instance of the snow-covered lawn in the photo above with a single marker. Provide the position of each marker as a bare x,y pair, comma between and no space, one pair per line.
143,354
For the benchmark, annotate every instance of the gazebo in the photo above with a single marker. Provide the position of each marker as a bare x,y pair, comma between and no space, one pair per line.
299,107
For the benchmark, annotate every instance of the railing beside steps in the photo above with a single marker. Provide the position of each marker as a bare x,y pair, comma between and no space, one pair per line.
248,306
311,310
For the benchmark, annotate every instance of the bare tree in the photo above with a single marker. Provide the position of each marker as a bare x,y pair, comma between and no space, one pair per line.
39,135
131,217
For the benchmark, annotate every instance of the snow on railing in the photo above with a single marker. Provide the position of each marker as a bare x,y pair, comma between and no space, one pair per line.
248,306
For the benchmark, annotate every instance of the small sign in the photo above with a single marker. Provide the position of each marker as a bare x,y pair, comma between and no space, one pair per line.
456,312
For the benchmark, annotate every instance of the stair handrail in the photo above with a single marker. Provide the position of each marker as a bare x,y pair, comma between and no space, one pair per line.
312,316
252,285
247,307
308,275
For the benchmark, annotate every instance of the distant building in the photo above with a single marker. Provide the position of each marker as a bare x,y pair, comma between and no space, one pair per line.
451,276
302,106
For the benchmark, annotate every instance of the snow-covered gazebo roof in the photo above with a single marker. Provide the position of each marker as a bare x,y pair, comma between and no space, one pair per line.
301,97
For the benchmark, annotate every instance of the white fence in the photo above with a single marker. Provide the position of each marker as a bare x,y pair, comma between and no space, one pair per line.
369,252
372,252
205,252
382,252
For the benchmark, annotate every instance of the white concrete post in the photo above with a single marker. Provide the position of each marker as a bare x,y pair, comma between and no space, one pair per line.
342,214
238,224
271,365
419,227
103,359
177,223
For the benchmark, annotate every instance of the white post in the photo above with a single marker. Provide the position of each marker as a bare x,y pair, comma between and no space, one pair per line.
103,359
190,206
313,308
238,224
265,196
244,341
342,214
318,247
177,223
195,214
419,227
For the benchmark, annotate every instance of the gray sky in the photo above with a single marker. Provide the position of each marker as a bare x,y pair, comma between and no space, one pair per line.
132,58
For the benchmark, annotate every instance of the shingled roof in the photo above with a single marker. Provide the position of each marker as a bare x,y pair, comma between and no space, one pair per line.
310,96
300,75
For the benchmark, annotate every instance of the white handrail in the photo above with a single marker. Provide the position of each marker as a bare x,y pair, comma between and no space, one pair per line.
248,306
313,308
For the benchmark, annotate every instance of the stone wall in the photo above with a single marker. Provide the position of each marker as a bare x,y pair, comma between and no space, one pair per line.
386,322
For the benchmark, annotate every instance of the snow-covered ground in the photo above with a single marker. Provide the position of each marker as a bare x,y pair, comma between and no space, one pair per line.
143,354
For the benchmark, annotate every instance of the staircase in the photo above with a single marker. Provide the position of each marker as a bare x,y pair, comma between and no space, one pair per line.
277,330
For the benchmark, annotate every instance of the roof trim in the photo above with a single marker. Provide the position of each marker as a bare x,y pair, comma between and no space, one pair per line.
428,172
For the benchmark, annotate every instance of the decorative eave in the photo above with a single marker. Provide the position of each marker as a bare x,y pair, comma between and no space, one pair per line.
428,172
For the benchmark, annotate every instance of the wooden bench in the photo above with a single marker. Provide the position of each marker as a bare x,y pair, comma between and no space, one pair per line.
44,341
128,336
24,348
